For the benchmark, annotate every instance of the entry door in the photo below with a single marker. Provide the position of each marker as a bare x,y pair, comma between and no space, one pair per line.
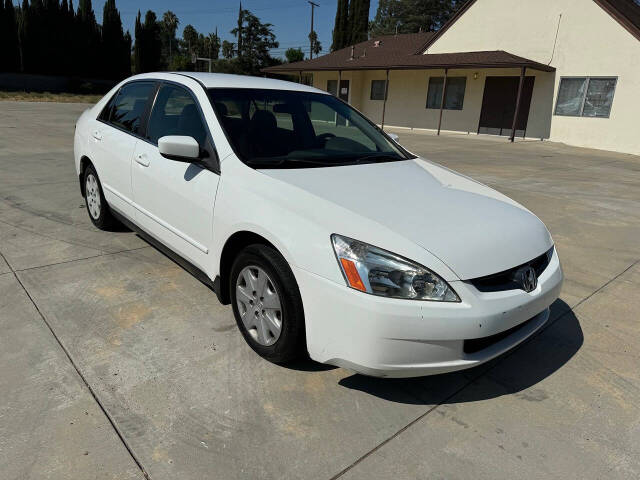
175,199
499,105
342,93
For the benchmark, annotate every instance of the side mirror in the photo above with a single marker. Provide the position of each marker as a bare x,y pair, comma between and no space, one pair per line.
179,148
394,137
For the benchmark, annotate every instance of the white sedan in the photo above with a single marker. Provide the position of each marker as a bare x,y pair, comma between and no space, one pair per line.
322,232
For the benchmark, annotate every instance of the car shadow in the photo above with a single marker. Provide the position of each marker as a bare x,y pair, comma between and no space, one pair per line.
514,371
117,227
192,171
305,364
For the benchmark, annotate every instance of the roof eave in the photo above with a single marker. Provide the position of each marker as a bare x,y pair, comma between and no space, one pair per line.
534,66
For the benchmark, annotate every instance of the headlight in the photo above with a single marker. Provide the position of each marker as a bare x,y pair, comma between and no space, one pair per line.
379,272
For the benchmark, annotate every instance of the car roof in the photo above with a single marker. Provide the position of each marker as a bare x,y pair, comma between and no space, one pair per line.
224,80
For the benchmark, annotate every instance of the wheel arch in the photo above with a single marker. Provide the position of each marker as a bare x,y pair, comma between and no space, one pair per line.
234,245
84,163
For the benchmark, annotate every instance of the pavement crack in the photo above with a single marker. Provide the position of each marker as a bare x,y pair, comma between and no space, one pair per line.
75,244
606,284
77,369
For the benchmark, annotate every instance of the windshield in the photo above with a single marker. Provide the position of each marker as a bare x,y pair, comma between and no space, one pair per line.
291,129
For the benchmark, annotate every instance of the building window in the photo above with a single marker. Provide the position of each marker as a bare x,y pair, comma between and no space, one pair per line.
332,87
307,79
585,96
454,97
377,89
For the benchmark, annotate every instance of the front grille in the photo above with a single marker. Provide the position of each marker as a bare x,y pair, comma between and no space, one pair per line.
477,344
506,280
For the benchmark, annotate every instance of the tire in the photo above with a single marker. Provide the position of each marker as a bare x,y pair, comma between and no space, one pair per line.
278,347
97,206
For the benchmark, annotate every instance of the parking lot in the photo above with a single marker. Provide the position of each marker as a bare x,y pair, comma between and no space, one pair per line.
116,363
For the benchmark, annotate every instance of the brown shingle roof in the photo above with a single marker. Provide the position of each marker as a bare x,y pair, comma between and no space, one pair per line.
389,47
397,52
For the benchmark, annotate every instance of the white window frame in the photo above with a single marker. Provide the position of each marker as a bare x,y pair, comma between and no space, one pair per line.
584,97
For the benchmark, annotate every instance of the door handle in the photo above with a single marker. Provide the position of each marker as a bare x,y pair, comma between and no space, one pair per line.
142,159
97,135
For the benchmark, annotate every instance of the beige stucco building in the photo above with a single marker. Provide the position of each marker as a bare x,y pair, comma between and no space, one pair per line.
569,68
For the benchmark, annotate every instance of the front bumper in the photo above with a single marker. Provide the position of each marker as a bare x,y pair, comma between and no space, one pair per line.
405,338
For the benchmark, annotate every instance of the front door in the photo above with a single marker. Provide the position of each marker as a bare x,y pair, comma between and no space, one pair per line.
499,105
175,199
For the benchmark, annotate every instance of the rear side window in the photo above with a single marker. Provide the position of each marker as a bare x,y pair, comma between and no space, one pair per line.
106,111
175,112
129,106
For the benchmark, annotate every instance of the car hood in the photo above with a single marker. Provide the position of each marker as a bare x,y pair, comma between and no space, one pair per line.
472,228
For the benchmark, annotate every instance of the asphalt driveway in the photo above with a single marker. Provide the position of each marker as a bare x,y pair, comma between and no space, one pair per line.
116,363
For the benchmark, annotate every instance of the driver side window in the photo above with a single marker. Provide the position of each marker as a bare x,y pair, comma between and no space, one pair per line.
175,112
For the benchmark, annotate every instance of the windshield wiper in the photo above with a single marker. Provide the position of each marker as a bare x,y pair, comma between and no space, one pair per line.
266,162
327,162
377,157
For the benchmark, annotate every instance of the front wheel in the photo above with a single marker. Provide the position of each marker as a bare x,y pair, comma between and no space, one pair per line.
267,305
97,207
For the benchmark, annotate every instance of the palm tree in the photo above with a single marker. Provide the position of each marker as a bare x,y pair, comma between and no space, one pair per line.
214,45
170,25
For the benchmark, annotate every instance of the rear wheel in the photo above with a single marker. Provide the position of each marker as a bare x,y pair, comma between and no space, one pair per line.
267,305
97,207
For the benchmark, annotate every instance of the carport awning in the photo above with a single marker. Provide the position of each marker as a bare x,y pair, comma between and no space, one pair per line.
371,59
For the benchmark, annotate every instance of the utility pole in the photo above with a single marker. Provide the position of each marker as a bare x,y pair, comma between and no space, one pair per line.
240,21
313,5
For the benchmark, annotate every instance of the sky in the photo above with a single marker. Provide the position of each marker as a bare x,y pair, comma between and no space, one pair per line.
291,19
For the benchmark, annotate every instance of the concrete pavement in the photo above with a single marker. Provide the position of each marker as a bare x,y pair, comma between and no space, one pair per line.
101,322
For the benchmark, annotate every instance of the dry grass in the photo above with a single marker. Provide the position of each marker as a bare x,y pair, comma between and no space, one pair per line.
49,97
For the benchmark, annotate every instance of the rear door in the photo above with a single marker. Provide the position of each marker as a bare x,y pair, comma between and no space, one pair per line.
174,200
114,136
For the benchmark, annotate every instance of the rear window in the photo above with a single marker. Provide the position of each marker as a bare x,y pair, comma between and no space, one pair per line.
129,106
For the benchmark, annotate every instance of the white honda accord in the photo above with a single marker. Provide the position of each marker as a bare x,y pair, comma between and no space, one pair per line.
324,234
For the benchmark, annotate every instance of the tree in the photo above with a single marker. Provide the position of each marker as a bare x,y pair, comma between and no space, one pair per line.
116,54
389,15
170,24
238,29
3,36
227,49
10,50
294,55
87,29
255,39
138,46
358,21
316,47
147,50
152,57
411,16
341,26
214,45
190,38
